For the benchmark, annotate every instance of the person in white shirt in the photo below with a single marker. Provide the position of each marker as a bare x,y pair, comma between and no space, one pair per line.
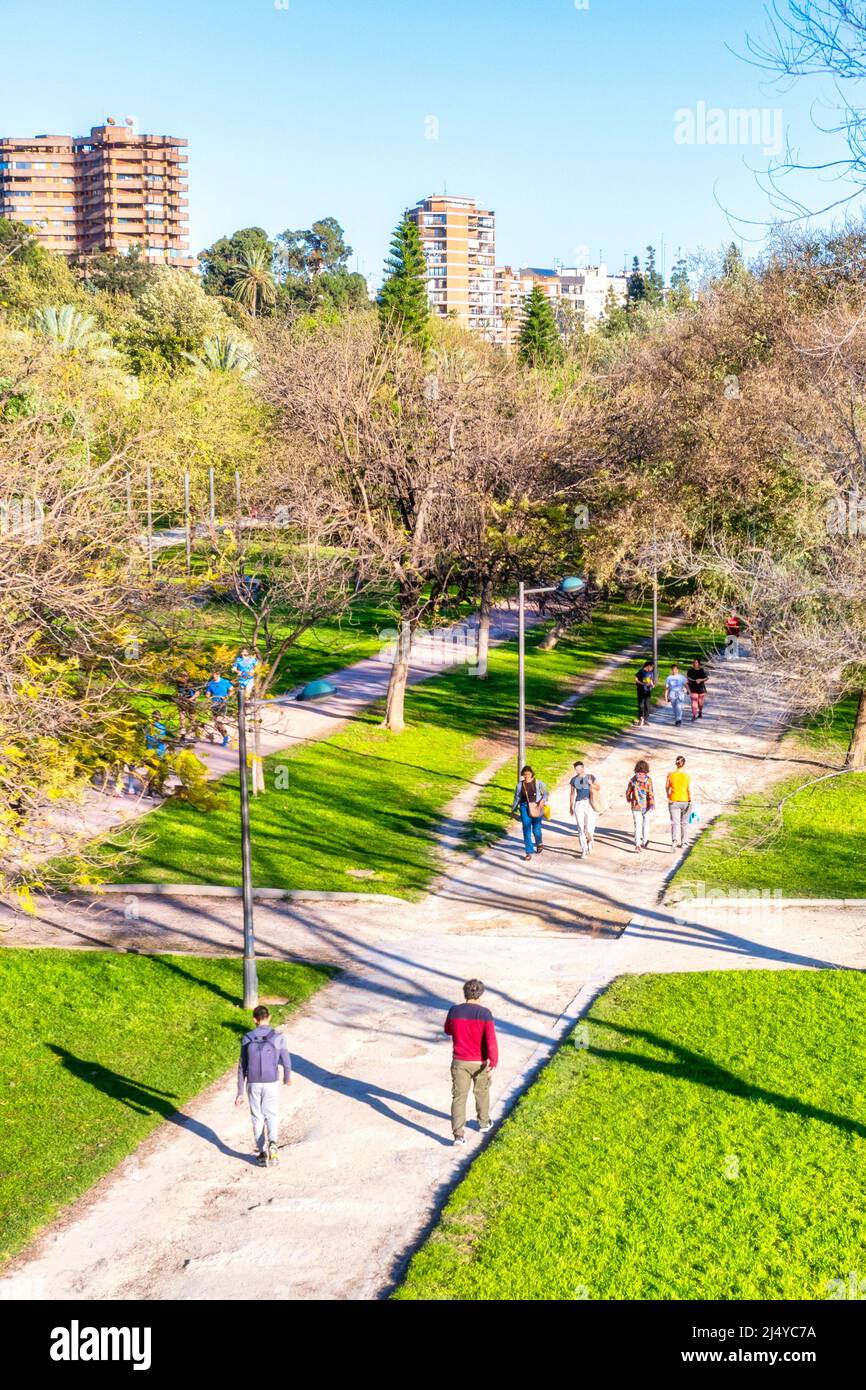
580,806
675,693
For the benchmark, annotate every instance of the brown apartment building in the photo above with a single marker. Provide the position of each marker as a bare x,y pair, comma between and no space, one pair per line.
107,191
459,240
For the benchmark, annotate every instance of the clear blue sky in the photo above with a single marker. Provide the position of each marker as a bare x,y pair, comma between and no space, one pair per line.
561,119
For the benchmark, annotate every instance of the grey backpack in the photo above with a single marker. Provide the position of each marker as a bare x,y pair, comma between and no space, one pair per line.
263,1057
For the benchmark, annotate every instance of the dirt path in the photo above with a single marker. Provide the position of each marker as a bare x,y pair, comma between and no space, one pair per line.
366,1156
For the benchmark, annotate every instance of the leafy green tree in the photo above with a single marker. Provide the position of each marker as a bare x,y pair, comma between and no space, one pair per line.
539,344
172,318
680,294
309,253
254,286
109,273
403,305
219,262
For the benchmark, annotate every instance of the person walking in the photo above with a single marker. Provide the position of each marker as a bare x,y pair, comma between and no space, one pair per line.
186,696
530,799
733,628
675,693
263,1052
244,667
641,798
156,744
219,689
644,683
697,682
583,788
678,787
474,1058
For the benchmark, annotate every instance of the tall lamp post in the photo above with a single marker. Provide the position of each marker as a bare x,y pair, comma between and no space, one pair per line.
571,584
251,983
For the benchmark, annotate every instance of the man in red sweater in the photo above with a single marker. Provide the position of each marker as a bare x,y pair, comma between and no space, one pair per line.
474,1058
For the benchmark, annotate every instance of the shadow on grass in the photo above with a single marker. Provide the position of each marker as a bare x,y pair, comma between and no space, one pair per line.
692,1066
140,1097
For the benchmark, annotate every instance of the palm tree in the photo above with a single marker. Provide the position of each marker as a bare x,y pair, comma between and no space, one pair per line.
70,330
228,354
253,284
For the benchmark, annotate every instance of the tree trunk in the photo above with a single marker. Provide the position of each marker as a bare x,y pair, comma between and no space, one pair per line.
559,629
856,756
483,648
396,699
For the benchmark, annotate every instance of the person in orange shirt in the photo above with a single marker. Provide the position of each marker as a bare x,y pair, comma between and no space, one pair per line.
678,786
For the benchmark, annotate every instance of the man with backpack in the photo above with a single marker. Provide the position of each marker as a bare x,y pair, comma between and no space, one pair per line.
263,1052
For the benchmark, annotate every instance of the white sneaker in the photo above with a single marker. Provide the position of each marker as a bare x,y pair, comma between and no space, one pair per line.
485,1128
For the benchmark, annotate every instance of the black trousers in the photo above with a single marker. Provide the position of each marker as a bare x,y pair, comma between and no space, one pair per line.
643,704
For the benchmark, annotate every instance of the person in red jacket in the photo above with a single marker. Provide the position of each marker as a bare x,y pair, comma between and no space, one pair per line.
473,1060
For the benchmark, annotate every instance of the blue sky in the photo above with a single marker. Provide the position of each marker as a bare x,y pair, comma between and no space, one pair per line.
561,119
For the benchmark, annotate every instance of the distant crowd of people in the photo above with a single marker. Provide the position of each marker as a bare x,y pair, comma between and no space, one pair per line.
682,690
149,777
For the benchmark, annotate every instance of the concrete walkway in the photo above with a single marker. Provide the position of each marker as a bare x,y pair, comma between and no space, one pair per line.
366,1157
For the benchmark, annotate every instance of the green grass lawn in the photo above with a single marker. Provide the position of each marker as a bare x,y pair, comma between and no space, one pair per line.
369,801
707,1143
818,850
96,1049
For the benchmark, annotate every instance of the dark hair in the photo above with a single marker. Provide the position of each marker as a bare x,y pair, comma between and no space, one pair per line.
681,761
260,1013
675,667
473,989
526,769
641,766
578,763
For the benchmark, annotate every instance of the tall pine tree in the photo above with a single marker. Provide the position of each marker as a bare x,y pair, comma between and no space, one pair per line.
636,284
653,280
539,343
403,306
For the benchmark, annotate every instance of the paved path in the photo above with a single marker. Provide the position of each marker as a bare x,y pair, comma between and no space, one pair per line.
365,1156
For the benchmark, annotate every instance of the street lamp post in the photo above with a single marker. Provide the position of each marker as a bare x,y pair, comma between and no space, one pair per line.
251,983
571,584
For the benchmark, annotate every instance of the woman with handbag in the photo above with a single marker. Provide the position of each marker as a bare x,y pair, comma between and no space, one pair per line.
530,800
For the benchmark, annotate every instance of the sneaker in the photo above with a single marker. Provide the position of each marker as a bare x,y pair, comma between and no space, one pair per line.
460,1138
262,1159
678,722
273,1156
590,847
485,1128
672,848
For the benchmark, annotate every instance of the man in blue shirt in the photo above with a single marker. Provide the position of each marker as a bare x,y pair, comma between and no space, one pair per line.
245,669
219,689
